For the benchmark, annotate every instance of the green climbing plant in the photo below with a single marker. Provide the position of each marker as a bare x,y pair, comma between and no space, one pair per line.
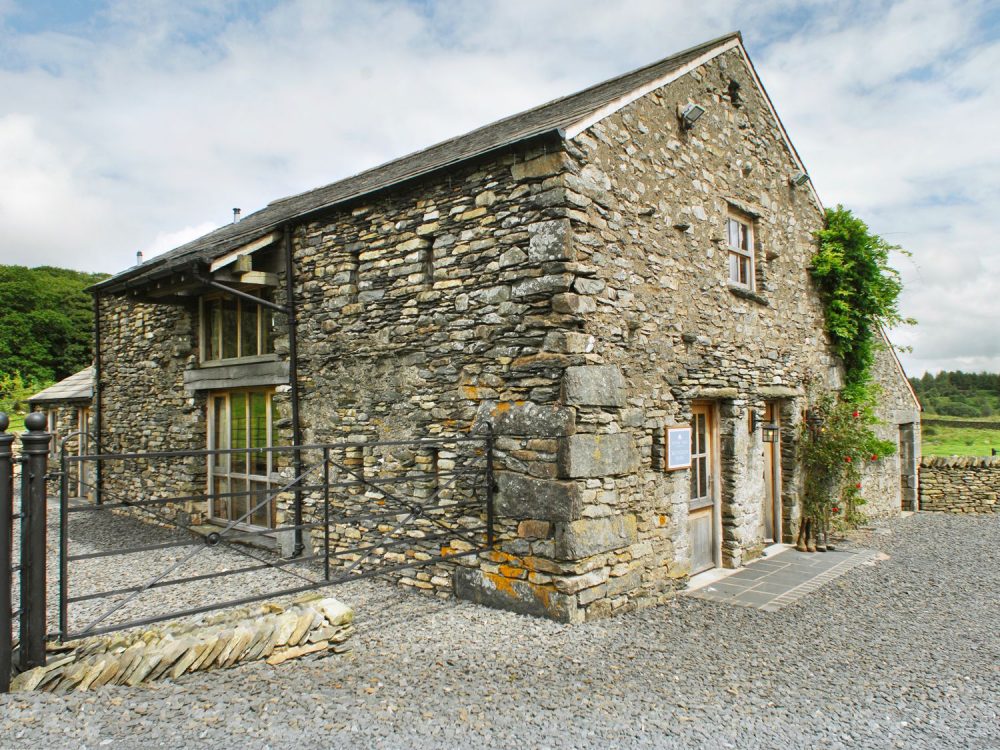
860,293
837,441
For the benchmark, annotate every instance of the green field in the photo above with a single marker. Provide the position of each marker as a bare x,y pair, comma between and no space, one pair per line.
943,440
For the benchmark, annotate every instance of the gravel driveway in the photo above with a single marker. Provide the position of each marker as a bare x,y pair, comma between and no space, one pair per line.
903,653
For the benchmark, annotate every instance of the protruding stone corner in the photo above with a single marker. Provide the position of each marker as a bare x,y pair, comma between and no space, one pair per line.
533,420
589,456
594,385
519,496
312,625
593,536
516,595
550,241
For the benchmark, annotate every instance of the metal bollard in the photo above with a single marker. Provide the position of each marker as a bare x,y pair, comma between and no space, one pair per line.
6,549
35,458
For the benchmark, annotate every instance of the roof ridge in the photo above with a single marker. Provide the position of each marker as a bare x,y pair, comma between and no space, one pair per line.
544,119
690,50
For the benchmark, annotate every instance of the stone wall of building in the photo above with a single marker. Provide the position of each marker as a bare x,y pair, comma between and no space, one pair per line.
63,421
575,297
889,484
960,484
652,201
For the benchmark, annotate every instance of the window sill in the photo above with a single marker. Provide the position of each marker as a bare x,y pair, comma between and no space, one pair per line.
238,361
237,373
745,293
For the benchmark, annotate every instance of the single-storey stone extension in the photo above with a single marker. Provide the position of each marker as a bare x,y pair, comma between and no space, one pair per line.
612,281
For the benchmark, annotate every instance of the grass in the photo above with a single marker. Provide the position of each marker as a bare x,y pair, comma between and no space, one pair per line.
940,440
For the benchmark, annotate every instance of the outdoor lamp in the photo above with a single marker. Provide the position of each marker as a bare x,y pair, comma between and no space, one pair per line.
799,178
690,115
769,432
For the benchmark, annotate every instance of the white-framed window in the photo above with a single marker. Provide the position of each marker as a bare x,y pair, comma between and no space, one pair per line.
239,484
739,239
234,328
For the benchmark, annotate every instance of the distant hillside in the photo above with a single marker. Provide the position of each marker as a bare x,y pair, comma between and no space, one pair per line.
959,394
46,322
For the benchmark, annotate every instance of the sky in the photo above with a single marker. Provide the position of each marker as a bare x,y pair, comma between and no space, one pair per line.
131,125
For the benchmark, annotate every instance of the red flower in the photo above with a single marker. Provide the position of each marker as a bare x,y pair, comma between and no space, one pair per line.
858,485
847,458
874,457
835,509
856,414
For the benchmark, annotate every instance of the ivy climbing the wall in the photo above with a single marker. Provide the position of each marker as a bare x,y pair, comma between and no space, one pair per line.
860,293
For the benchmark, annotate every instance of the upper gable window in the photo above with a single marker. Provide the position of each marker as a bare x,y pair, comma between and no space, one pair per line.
233,328
739,238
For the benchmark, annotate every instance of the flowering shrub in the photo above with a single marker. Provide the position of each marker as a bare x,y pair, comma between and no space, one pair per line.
832,451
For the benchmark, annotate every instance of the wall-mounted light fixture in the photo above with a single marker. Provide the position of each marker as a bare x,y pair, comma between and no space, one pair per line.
799,178
690,115
769,431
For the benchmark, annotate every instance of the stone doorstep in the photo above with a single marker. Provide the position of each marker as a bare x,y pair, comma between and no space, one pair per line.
787,584
708,577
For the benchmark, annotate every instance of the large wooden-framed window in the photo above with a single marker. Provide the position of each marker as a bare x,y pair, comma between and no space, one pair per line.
739,238
239,484
234,328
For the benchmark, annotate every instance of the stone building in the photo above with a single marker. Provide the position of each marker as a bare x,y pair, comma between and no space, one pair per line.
69,417
611,280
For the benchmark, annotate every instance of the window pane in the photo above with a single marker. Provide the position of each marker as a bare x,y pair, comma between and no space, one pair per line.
734,233
238,429
213,310
220,502
248,329
744,237
240,502
702,477
260,504
734,267
266,334
258,432
229,328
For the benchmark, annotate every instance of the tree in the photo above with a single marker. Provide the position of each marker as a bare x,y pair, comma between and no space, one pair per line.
46,322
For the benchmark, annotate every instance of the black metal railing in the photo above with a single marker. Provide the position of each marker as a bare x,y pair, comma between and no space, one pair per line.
165,528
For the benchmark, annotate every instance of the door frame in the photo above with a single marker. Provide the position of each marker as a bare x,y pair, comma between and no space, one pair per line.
711,410
772,413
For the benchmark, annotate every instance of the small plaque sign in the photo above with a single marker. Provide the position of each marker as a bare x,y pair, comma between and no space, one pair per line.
678,448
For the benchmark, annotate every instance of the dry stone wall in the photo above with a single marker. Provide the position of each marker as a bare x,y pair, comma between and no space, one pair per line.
960,484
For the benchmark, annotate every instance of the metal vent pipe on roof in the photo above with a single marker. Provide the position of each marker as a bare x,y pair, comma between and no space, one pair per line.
236,215
138,257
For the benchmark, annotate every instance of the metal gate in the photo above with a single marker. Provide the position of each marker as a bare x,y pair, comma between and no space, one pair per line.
178,533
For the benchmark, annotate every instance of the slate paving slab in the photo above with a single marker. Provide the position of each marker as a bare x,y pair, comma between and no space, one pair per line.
775,582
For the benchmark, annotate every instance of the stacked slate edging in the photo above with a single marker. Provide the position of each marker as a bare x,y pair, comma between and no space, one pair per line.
960,484
313,625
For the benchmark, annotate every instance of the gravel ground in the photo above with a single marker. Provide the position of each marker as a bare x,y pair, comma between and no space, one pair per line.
902,653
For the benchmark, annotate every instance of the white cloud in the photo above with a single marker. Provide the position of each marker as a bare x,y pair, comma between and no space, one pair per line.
151,121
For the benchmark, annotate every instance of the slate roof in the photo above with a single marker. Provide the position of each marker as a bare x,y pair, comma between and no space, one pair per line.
547,119
77,387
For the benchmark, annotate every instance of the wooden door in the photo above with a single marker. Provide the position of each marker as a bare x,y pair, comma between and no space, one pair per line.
771,503
907,469
703,506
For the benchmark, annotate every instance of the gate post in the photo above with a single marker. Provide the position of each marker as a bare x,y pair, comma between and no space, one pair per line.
35,450
6,549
